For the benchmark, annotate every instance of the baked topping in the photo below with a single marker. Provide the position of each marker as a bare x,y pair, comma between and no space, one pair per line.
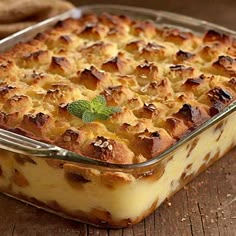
194,81
59,65
226,65
103,144
176,36
219,94
91,78
219,98
213,36
225,61
149,107
233,82
145,27
116,95
65,39
183,56
150,144
70,139
135,46
6,89
39,119
93,31
192,116
94,85
109,150
176,127
152,51
116,64
180,68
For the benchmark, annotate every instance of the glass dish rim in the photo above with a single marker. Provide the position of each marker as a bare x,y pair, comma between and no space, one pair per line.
69,156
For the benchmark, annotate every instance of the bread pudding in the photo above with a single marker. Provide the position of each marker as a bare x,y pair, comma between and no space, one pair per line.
166,83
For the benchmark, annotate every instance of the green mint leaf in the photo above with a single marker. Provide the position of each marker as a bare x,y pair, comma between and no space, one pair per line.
88,116
94,110
77,108
99,116
114,109
107,111
99,100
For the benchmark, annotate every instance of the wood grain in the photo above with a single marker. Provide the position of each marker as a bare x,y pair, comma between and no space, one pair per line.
207,206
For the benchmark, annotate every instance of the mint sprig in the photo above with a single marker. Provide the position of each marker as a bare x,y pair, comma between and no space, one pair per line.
89,111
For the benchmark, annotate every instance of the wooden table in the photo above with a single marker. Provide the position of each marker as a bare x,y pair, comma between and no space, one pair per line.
207,206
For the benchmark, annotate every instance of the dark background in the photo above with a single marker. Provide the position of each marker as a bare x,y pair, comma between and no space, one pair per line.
221,12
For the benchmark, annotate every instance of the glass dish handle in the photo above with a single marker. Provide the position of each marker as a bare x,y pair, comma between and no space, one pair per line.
22,145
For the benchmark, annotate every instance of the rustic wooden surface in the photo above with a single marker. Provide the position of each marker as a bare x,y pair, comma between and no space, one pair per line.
207,206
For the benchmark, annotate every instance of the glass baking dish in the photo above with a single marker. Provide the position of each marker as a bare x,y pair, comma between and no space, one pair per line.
100,193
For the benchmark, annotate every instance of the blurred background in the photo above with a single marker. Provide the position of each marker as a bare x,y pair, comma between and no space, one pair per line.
16,15
221,12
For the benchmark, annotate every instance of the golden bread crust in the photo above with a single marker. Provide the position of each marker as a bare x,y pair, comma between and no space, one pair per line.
166,81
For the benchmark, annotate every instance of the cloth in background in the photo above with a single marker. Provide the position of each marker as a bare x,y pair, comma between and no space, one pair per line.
16,15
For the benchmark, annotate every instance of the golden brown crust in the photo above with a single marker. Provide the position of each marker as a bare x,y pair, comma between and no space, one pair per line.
108,150
91,78
166,81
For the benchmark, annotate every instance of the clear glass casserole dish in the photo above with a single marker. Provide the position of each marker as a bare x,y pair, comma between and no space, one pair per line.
100,193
